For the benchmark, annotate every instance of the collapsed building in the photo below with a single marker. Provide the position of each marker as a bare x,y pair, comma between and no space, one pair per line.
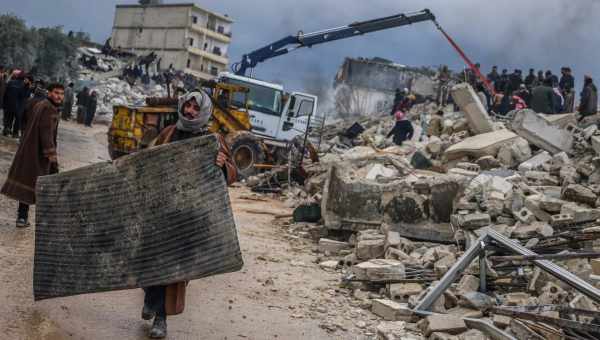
367,86
489,231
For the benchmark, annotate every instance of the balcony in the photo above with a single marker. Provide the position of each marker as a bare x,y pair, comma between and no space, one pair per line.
224,37
214,57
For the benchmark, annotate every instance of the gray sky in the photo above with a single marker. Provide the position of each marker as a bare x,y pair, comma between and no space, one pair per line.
543,34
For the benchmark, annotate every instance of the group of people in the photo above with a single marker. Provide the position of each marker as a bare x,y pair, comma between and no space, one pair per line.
87,103
543,92
16,87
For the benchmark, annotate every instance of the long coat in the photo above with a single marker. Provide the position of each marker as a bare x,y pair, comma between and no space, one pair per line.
589,100
175,293
36,154
542,99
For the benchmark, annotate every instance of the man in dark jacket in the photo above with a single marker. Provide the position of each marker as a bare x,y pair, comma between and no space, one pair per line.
553,77
3,81
588,105
68,103
494,75
542,98
14,102
500,84
567,87
90,111
515,80
530,79
82,104
36,155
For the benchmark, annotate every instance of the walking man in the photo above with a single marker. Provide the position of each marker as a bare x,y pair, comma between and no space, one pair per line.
195,109
36,155
68,104
588,105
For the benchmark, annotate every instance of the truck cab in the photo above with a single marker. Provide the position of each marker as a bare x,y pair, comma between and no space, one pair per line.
275,114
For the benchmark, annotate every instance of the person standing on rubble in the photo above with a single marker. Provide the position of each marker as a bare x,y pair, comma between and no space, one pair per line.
82,104
68,103
500,84
567,87
443,78
588,104
36,155
195,109
530,80
436,124
542,98
403,129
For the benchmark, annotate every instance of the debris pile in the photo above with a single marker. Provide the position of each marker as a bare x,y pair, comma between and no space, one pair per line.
489,230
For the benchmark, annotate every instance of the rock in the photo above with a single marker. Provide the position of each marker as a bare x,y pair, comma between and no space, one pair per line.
331,265
580,194
391,311
475,113
401,292
535,163
516,299
444,323
379,269
541,178
551,205
467,283
525,216
472,334
514,153
331,246
391,330
480,145
476,300
540,133
501,321
532,203
445,263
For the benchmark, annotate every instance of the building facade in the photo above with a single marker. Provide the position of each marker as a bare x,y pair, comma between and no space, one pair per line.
188,37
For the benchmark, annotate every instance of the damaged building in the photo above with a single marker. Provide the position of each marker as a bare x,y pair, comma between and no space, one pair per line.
186,36
367,86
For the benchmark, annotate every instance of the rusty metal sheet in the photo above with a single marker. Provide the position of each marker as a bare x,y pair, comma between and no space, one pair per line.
156,217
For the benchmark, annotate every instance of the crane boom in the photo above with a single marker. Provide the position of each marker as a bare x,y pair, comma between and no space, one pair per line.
280,47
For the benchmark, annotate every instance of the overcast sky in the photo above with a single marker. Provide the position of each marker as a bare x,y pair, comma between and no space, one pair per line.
510,33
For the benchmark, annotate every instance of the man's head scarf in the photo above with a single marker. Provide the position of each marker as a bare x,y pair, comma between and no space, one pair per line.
199,123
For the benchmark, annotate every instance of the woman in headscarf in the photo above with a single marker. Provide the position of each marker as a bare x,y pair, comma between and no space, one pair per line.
195,109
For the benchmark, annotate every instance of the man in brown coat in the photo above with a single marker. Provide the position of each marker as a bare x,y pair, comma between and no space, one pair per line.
36,155
195,109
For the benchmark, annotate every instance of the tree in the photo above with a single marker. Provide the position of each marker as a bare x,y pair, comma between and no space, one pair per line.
17,43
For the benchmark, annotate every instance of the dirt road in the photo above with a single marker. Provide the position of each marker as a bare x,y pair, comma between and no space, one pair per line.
279,294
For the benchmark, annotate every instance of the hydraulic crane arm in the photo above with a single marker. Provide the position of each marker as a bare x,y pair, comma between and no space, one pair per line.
280,47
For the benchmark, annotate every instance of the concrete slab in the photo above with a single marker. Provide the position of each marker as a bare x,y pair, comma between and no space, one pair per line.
560,120
468,101
486,144
539,132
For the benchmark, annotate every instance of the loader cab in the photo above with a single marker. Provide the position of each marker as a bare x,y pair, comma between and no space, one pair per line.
275,114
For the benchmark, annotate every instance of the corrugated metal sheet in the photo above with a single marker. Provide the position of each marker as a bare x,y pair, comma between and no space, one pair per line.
156,217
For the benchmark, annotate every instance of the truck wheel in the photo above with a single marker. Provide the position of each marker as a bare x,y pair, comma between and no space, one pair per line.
246,153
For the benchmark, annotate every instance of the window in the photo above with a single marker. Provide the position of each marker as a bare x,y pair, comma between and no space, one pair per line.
205,46
217,50
214,71
306,108
140,30
202,67
194,19
260,98
189,62
221,29
192,42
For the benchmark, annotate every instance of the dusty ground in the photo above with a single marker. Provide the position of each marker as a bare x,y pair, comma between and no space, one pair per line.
280,293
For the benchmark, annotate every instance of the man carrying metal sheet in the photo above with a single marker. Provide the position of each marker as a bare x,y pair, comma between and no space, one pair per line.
195,109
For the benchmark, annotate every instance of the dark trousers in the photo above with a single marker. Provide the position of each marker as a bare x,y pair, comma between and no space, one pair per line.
9,121
89,118
155,299
23,211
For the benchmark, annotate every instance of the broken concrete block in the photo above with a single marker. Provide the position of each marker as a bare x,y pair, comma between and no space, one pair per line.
391,311
561,220
350,204
540,133
331,246
580,194
467,283
551,205
370,249
442,265
391,330
569,175
401,292
443,336
392,239
472,221
525,216
516,299
379,170
560,120
579,213
514,153
487,144
585,169
331,265
476,300
379,269
533,204
462,172
472,167
595,263
420,160
444,323
501,321
521,331
468,101
535,163
596,144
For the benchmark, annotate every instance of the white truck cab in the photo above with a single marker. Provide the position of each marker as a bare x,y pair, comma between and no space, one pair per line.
275,114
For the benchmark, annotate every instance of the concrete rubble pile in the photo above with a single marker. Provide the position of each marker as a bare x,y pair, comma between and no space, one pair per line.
399,221
114,91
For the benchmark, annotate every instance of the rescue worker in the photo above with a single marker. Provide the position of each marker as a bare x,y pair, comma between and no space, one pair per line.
195,109
436,124
403,129
542,98
36,155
